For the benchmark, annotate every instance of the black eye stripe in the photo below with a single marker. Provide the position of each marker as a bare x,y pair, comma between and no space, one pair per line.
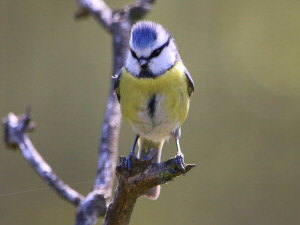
133,54
157,51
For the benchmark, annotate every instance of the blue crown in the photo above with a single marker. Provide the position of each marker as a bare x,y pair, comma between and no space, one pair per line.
144,34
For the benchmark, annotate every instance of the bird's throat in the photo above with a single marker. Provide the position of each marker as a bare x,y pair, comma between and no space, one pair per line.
146,73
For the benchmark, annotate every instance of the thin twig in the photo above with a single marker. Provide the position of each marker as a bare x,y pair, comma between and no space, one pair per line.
16,137
140,8
98,8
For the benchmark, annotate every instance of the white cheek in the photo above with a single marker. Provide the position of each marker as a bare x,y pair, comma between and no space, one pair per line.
132,65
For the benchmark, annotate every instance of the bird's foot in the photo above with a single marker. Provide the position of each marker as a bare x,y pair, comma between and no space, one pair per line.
130,157
179,159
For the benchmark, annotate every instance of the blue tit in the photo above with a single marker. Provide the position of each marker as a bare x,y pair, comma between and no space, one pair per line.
154,90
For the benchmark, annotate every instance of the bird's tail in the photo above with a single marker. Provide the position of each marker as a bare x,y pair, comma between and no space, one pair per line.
145,146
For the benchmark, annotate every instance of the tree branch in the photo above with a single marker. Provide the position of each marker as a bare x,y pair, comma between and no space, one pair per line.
140,8
15,129
98,8
93,206
144,175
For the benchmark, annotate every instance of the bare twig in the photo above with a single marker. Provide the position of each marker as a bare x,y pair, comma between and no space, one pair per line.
140,8
98,8
15,129
93,206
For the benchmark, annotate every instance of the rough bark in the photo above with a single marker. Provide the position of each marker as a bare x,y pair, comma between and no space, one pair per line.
143,175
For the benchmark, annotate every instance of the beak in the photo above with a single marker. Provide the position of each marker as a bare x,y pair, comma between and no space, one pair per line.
143,62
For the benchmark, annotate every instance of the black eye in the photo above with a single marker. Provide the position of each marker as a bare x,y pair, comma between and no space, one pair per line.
155,53
133,54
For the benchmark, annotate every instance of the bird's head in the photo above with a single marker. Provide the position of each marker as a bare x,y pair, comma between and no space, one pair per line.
152,50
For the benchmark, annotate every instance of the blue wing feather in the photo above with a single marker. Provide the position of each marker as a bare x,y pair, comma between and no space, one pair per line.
116,82
190,82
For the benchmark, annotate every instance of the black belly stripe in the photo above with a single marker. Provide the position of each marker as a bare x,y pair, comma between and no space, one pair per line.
151,105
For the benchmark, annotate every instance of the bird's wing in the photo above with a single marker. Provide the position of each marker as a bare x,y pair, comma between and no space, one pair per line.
190,82
116,79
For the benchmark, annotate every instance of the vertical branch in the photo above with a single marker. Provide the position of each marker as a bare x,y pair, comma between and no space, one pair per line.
119,23
110,130
108,147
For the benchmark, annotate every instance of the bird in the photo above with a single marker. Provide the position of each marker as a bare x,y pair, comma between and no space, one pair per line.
154,89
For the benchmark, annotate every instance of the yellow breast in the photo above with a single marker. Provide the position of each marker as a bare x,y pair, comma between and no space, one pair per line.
136,92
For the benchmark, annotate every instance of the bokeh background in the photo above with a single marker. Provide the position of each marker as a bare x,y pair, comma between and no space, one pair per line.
243,130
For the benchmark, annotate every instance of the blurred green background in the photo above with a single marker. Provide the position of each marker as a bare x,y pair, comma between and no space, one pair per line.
243,130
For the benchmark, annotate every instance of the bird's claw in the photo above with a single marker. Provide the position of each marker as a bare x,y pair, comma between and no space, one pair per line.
179,159
129,161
